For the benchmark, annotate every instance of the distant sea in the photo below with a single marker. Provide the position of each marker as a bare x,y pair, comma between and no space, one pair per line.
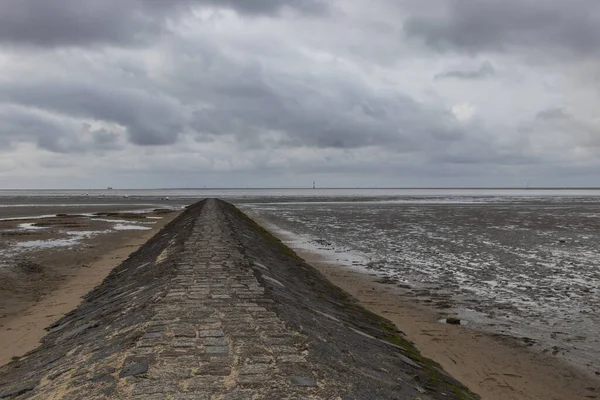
12,196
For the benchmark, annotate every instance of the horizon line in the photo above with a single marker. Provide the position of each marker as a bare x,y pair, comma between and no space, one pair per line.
330,188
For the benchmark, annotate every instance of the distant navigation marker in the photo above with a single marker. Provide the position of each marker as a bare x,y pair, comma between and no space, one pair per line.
314,187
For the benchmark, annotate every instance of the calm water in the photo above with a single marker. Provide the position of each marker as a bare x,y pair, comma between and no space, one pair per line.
523,263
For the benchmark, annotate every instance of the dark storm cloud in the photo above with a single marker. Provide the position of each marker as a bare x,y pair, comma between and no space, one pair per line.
227,95
55,23
209,91
149,119
473,26
262,105
486,70
77,22
337,114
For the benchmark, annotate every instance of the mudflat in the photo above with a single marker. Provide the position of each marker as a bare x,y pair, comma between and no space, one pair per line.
520,273
493,366
54,256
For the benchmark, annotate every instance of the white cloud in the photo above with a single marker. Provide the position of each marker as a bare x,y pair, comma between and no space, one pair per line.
464,112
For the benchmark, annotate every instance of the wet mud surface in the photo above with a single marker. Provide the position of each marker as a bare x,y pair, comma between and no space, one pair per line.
38,252
522,268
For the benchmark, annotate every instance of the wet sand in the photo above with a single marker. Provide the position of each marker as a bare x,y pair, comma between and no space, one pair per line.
495,367
41,284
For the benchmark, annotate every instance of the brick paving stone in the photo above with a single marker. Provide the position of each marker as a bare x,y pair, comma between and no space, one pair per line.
216,349
187,330
204,333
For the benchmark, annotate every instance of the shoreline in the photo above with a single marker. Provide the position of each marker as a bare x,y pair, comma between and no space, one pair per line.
22,333
494,366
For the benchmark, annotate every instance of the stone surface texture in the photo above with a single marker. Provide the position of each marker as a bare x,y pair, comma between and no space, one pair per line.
214,307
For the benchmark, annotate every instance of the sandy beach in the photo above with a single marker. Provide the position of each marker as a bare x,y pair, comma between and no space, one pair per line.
51,262
495,367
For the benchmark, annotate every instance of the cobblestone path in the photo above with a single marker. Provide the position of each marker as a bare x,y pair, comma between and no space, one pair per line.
211,335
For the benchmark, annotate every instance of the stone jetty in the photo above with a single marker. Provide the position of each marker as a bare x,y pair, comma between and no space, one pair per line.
214,307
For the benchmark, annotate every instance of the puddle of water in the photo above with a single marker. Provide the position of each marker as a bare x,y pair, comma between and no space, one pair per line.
126,227
29,217
74,238
122,221
29,226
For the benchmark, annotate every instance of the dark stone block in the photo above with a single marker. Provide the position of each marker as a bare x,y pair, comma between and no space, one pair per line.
151,335
105,376
17,390
138,368
302,381
217,350
74,332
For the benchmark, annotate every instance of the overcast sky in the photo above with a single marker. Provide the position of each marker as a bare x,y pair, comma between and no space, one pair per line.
278,93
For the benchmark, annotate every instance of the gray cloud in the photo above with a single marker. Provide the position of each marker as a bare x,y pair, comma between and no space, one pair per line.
229,94
337,114
254,7
149,119
73,22
102,139
306,87
117,22
486,70
553,113
566,129
257,105
498,25
18,124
